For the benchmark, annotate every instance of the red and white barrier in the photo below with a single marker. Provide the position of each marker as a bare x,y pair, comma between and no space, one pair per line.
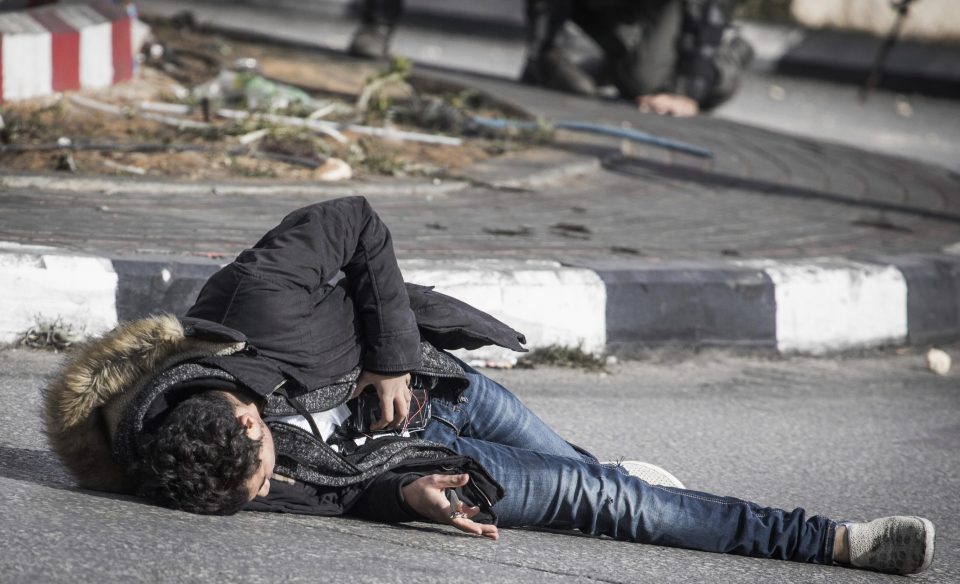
64,47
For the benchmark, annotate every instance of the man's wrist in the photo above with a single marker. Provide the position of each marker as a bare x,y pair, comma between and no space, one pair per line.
405,481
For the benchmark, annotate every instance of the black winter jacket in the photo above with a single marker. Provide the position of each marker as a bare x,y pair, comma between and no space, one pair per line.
283,297
312,334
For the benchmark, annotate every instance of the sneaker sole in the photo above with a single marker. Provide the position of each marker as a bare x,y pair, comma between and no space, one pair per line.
930,532
646,471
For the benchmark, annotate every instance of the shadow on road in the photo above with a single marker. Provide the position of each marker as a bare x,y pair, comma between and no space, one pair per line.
34,466
639,167
42,468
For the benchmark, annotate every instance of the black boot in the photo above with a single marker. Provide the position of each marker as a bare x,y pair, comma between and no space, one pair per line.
731,60
553,69
547,64
379,19
371,41
738,50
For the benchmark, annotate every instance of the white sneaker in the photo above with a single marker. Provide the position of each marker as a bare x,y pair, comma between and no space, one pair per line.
896,545
647,472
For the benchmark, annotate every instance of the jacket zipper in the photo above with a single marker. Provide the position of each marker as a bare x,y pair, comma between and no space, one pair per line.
484,495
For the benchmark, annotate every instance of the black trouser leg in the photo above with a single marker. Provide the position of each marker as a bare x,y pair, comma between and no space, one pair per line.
382,12
545,19
547,64
379,19
639,42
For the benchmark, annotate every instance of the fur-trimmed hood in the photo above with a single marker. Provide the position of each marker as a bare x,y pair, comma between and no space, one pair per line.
84,402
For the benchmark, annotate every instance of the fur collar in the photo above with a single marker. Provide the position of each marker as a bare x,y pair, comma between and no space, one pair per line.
85,400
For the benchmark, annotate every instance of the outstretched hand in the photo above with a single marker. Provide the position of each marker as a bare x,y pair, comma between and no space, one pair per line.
668,104
427,496
394,393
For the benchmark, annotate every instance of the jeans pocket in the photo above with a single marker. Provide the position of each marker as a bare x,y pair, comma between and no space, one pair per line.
446,412
441,419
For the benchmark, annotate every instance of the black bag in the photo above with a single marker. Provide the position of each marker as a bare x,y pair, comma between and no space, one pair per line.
365,411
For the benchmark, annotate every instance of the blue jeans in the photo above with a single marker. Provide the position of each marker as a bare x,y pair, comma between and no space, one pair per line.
550,484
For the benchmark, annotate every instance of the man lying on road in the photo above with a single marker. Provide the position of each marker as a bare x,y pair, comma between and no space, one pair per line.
286,389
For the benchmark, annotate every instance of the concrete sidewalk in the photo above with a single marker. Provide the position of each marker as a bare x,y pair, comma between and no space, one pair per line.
778,243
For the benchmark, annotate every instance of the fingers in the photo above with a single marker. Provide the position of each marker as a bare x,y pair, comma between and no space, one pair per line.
661,104
489,531
386,413
442,481
470,512
668,104
685,108
362,382
466,525
394,394
463,520
428,497
401,405
394,409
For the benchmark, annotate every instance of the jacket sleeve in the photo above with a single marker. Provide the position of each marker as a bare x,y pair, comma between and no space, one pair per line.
302,499
311,245
383,499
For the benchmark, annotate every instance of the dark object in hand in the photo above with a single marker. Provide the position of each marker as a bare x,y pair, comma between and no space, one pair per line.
365,411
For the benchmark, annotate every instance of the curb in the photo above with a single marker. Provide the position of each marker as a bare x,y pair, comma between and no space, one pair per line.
816,306
172,186
910,67
58,48
848,57
526,169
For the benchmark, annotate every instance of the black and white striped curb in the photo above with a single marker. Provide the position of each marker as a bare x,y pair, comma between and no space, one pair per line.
813,306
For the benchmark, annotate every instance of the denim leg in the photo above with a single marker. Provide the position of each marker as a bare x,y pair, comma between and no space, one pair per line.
488,411
560,492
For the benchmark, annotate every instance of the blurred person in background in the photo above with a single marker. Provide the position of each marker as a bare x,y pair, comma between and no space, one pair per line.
674,57
378,21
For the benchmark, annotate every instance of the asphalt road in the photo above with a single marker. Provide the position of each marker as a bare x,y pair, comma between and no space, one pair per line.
850,438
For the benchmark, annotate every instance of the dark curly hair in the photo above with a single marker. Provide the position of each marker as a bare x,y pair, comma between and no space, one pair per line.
199,459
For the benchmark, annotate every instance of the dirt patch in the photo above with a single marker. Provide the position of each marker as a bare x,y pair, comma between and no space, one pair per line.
207,107
563,356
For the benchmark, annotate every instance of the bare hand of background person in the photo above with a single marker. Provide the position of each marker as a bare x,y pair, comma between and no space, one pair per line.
668,104
427,496
394,393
